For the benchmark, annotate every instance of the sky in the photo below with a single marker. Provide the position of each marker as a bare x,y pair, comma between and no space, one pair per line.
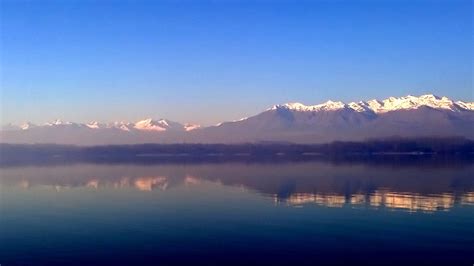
210,61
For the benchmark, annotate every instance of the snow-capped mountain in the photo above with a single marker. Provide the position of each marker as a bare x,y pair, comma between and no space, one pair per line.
95,125
59,122
189,126
124,126
145,125
409,116
27,125
159,125
390,104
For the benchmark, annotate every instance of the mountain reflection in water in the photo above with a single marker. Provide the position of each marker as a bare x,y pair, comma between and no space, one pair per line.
410,189
389,199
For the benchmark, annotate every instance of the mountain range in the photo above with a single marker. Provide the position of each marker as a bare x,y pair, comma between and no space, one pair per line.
409,116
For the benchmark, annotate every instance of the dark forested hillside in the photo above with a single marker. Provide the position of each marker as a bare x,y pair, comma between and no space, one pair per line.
11,153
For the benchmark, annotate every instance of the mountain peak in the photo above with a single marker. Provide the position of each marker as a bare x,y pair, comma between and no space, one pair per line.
152,125
94,125
189,127
58,122
331,105
430,96
373,108
290,106
382,106
296,106
27,126
413,102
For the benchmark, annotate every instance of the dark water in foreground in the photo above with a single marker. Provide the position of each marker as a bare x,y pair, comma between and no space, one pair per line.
298,213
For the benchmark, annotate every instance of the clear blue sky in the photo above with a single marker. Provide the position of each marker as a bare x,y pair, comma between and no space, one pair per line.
204,62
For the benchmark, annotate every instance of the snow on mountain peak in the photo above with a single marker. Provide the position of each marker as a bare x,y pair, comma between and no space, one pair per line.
330,106
387,105
162,125
413,102
358,107
151,125
164,122
94,125
125,126
466,105
189,127
390,104
290,106
327,106
58,122
27,125
429,96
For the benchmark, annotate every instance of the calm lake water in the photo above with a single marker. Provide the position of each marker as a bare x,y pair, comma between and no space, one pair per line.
286,213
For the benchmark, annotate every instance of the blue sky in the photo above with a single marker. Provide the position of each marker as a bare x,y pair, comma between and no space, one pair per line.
208,61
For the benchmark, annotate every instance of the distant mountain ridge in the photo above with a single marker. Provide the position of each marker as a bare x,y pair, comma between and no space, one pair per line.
410,116
387,105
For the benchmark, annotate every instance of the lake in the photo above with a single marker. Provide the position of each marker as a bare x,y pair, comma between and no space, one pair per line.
227,213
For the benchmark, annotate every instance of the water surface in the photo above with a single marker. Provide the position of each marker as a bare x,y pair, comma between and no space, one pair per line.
284,213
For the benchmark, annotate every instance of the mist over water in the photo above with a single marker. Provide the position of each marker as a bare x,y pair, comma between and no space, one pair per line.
237,213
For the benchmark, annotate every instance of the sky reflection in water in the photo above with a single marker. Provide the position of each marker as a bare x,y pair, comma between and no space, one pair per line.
50,213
